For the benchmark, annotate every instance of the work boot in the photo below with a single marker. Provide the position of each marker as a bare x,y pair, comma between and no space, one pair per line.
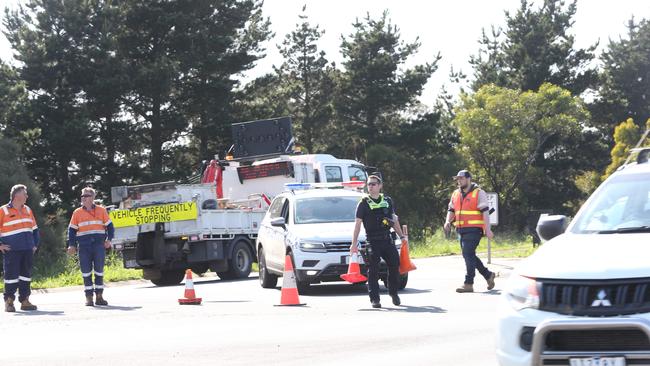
9,305
375,304
99,300
26,305
89,300
396,300
490,281
465,288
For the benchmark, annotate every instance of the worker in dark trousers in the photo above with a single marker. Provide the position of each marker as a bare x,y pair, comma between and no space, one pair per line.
91,228
18,241
468,210
377,214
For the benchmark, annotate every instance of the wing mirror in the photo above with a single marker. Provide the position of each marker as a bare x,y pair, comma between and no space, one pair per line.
550,226
279,222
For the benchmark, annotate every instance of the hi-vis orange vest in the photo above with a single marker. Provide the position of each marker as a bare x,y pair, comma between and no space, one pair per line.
466,210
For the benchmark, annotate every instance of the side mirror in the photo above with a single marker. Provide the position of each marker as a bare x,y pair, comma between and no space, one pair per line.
550,226
279,222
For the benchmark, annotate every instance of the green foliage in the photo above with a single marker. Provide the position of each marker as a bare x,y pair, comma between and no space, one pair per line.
375,87
626,136
508,245
535,48
307,83
625,85
504,132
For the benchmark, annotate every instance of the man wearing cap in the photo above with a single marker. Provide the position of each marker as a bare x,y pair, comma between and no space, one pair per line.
469,212
18,241
377,214
92,229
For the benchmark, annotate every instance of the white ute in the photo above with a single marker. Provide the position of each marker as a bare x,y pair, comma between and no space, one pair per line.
583,299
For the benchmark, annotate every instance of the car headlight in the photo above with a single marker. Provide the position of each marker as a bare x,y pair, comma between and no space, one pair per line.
522,292
312,246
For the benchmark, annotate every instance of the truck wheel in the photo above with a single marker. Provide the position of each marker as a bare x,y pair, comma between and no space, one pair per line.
199,269
169,278
240,264
267,279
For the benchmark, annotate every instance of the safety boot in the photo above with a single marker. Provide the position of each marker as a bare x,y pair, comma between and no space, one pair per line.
396,300
89,300
465,288
27,306
490,281
9,305
375,304
99,300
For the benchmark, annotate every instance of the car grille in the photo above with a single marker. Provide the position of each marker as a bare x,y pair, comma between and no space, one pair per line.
341,246
595,298
597,340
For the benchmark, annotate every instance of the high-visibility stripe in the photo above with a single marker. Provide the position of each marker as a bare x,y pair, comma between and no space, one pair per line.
11,281
91,232
98,273
108,222
471,222
5,209
74,226
26,279
86,223
466,212
14,222
99,287
29,210
88,287
14,232
86,274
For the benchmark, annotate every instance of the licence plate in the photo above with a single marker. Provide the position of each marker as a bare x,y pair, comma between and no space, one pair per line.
597,361
346,259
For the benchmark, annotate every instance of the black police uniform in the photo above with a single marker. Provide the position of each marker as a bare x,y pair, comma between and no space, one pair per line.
377,217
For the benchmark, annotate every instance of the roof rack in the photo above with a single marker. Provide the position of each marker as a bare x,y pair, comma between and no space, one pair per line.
643,151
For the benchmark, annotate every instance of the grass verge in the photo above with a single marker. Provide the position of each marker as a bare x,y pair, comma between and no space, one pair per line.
502,245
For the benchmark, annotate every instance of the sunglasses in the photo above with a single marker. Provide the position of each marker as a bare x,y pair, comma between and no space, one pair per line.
86,195
373,184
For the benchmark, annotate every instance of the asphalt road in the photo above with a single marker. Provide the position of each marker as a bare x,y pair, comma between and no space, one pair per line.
238,324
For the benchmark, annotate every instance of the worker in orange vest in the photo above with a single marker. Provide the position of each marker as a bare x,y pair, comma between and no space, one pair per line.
91,228
18,241
469,212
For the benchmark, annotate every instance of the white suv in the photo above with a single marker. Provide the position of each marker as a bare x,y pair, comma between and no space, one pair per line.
314,227
584,297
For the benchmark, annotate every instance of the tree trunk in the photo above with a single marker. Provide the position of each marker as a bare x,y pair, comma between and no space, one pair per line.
156,142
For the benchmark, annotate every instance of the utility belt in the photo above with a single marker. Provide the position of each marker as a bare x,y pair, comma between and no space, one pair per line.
370,238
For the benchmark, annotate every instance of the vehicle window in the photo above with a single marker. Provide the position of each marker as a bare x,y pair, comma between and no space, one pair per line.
285,211
325,209
333,174
276,207
622,202
357,174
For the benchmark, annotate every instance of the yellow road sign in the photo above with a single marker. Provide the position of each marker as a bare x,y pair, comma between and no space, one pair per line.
151,214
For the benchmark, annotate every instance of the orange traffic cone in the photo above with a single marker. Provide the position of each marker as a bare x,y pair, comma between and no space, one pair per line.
354,271
405,264
289,289
190,296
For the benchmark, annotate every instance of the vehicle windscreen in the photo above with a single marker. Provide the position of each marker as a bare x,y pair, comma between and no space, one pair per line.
621,205
325,209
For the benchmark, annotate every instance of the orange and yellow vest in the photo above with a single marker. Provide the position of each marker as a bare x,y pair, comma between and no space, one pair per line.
466,210
18,228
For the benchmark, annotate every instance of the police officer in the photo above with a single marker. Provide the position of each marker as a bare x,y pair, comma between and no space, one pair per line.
468,210
377,213
91,227
19,239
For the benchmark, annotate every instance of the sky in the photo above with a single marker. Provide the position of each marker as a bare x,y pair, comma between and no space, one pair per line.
451,27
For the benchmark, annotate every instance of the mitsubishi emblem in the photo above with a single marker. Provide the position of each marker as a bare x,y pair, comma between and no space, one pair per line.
601,299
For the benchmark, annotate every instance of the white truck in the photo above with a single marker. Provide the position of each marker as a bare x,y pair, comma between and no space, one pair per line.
165,228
